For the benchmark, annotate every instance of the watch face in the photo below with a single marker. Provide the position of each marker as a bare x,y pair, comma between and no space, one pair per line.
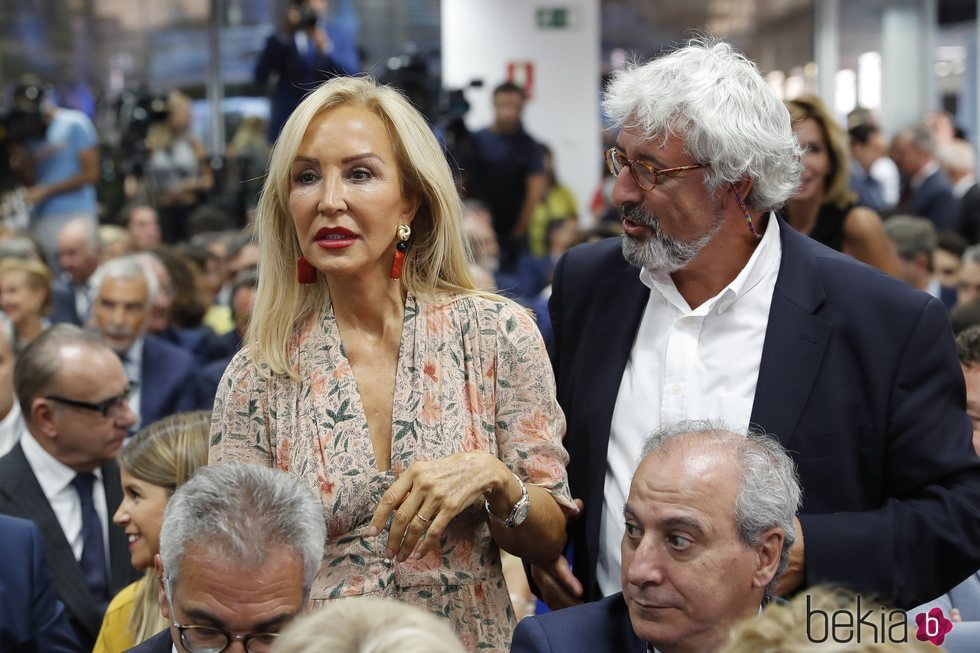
520,513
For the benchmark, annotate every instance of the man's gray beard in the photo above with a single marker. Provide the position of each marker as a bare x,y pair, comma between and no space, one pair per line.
660,252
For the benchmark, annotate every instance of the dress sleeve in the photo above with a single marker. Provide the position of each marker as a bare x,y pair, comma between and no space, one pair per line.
240,424
529,423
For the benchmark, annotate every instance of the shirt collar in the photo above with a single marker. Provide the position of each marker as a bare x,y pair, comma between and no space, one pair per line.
766,254
52,475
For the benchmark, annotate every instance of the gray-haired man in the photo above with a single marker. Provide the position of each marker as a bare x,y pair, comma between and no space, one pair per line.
239,549
709,525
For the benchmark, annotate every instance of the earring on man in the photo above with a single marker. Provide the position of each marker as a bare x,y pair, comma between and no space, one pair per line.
745,212
305,272
404,233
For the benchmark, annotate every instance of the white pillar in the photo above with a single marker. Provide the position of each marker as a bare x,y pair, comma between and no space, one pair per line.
827,48
480,38
908,36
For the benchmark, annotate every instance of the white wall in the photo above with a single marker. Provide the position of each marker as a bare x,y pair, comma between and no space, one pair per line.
479,38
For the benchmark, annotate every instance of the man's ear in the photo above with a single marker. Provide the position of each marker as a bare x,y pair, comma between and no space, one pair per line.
161,586
42,417
768,552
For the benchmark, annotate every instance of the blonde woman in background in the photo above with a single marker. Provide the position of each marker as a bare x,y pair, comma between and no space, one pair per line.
26,298
153,464
824,207
368,625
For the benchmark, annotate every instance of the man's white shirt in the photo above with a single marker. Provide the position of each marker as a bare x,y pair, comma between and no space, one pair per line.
685,364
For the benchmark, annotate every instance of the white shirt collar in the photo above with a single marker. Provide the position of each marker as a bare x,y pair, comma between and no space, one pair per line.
52,475
766,255
963,185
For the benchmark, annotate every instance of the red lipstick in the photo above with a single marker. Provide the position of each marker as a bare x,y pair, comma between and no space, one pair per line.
335,237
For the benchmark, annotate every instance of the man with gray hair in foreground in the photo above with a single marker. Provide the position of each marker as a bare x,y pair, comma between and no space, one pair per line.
709,525
239,549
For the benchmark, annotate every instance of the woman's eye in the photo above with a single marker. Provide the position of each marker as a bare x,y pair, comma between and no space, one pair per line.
305,177
360,174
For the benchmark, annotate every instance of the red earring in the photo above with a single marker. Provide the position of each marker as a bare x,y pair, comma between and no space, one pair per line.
404,233
305,272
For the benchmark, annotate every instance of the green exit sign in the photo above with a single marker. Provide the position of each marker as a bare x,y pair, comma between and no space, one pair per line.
555,17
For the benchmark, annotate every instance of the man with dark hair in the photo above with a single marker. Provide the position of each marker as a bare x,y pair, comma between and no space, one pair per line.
73,393
867,148
507,172
947,259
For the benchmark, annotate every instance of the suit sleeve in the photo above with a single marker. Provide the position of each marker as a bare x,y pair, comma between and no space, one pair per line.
925,537
530,637
241,429
53,633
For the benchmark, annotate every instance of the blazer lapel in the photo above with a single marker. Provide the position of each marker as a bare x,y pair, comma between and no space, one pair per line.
25,498
795,342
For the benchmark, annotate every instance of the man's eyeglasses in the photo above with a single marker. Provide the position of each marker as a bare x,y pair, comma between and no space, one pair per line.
204,639
644,174
109,407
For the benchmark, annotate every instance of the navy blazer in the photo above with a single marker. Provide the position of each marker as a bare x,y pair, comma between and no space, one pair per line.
162,642
21,496
934,199
600,627
168,383
859,380
63,309
31,616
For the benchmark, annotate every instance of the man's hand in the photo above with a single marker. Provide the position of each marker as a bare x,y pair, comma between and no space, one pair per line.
792,578
557,585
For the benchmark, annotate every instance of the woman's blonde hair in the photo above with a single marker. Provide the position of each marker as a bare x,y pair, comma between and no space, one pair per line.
38,277
837,185
368,625
436,263
166,454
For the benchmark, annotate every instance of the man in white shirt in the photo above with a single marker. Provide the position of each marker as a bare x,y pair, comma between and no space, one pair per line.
709,307
709,524
72,390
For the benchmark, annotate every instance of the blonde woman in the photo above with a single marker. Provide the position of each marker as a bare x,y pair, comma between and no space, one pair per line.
824,206
153,464
420,410
26,298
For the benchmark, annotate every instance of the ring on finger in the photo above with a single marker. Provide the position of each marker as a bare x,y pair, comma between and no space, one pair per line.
424,520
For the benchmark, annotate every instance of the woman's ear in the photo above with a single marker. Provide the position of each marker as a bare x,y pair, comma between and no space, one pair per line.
410,208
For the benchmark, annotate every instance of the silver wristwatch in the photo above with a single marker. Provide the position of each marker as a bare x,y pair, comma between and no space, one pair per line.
518,514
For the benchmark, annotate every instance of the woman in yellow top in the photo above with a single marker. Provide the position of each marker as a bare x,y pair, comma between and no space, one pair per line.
158,460
558,203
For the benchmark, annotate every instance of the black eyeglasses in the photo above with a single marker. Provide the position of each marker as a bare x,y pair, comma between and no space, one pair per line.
644,174
109,407
204,639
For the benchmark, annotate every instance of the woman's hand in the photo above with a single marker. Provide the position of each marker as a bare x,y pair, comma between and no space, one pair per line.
428,495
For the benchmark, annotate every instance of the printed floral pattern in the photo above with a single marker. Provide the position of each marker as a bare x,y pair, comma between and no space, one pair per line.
472,374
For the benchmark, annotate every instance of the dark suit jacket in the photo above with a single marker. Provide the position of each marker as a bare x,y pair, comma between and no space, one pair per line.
970,214
21,496
31,616
167,385
860,381
162,642
934,199
63,309
599,627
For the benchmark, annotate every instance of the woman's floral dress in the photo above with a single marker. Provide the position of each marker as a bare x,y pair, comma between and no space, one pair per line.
472,374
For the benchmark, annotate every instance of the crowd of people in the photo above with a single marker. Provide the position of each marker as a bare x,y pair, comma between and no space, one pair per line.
346,422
